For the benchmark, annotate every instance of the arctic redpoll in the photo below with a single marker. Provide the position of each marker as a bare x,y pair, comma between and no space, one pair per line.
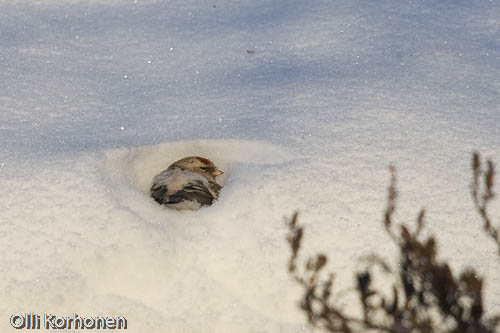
188,183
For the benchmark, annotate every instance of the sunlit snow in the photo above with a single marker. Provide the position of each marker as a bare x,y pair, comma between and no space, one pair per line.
303,104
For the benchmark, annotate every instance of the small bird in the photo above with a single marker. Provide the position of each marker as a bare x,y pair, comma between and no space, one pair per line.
188,183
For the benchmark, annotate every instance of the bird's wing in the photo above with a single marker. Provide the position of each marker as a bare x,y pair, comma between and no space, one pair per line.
192,191
158,192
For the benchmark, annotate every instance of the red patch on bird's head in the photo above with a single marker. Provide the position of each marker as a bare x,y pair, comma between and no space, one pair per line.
203,160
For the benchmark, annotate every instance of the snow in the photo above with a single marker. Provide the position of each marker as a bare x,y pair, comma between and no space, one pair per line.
98,96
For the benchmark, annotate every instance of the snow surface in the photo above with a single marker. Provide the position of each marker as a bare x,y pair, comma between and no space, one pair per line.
97,96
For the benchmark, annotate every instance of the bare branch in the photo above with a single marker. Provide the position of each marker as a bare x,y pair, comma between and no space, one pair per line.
426,295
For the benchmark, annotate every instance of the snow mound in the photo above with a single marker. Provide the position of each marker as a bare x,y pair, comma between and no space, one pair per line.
132,169
204,251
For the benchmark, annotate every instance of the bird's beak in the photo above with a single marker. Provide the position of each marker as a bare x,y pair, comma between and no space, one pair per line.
217,172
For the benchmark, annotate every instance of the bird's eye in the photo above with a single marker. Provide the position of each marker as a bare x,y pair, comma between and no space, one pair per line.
204,168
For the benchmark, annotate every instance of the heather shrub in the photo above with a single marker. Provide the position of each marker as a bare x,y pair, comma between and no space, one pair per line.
426,295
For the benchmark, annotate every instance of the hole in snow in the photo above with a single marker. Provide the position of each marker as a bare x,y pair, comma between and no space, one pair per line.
131,170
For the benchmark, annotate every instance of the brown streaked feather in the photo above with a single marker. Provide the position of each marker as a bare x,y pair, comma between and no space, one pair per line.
203,197
158,193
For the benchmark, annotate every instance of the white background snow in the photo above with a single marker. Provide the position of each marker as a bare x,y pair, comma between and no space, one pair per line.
98,96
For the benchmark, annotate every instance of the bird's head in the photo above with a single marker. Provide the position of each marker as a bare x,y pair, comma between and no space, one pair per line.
199,164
